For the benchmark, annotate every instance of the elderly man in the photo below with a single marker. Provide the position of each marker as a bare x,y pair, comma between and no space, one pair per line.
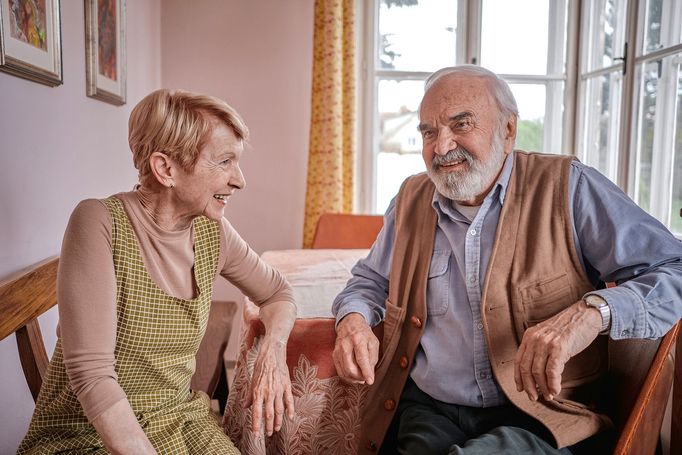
489,277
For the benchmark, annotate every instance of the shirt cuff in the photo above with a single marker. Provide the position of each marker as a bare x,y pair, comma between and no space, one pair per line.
373,317
628,316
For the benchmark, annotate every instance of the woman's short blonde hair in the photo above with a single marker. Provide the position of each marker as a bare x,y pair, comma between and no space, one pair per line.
177,123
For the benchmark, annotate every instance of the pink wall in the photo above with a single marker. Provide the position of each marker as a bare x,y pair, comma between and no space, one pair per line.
58,146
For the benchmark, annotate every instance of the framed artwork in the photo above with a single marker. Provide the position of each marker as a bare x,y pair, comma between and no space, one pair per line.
30,40
105,50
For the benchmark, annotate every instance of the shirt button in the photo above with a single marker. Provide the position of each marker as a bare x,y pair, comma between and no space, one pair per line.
371,446
479,325
416,321
482,375
404,362
389,405
472,279
472,232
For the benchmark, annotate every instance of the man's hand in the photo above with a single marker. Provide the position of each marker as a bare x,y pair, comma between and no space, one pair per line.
546,348
356,351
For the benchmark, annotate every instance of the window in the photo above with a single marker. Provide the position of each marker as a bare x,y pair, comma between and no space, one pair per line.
630,125
525,41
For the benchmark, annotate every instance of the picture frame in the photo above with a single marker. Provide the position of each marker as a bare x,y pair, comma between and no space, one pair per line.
105,50
31,40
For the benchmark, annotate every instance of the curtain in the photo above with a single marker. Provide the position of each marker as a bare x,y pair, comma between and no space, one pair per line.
332,121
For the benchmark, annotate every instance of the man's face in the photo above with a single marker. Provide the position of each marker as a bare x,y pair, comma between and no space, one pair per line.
464,139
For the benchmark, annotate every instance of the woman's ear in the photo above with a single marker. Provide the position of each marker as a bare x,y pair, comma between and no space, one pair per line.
162,168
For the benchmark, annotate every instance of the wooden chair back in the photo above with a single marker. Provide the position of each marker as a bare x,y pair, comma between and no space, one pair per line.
344,231
640,379
23,298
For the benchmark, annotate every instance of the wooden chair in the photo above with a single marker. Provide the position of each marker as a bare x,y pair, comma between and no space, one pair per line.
22,299
343,231
640,378
32,292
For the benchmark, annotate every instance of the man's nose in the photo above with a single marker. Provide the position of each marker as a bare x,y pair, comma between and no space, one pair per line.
445,143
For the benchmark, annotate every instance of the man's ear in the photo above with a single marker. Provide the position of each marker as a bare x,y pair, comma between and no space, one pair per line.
510,134
162,168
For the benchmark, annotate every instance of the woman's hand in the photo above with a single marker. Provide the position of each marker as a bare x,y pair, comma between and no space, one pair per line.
270,393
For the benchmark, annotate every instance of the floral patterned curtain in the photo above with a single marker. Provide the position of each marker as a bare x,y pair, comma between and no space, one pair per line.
332,122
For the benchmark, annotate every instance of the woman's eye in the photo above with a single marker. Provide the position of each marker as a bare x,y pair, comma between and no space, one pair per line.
225,162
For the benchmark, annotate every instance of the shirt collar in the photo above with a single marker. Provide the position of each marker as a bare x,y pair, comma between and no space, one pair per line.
443,204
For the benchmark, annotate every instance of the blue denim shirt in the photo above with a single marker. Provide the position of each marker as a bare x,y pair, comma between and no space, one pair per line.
616,240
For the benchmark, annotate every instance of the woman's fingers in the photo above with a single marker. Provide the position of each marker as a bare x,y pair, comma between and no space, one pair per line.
271,395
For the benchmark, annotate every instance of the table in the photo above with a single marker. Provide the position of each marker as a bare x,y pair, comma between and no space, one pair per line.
327,419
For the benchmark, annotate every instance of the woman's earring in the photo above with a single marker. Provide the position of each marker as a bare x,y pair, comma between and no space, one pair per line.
171,186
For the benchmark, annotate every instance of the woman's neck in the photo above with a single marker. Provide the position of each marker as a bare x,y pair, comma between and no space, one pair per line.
159,205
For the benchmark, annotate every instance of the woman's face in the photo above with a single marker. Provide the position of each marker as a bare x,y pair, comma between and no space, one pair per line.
215,177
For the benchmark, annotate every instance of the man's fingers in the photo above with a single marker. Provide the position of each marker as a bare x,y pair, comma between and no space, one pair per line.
555,367
362,359
517,367
539,373
526,366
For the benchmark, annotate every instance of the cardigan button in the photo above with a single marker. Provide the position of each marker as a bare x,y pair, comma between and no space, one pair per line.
371,446
389,405
404,362
416,321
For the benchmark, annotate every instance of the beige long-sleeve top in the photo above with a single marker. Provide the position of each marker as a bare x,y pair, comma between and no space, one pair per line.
86,288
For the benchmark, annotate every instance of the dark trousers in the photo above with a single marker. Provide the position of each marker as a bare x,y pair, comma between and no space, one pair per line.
423,425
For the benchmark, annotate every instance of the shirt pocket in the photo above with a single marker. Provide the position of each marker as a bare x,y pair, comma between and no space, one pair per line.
438,284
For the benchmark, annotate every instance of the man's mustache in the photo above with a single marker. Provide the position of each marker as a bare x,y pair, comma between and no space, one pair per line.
458,154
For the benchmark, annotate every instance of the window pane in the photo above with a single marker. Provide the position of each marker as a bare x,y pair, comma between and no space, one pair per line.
507,47
663,26
530,132
392,169
676,202
645,144
399,141
601,114
606,33
417,35
652,27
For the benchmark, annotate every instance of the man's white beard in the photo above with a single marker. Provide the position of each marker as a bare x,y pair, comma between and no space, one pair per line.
467,184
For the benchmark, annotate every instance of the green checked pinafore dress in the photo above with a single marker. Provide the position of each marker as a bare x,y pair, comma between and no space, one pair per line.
157,338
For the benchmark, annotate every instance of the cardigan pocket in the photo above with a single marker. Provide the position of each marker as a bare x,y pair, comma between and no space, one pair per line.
438,286
393,322
545,298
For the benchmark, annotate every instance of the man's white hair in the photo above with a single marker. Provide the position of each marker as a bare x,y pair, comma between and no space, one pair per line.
500,90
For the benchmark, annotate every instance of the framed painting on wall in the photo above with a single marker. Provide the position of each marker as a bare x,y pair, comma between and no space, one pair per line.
30,40
105,45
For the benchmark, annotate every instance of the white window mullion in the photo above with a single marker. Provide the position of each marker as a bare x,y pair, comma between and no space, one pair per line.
661,162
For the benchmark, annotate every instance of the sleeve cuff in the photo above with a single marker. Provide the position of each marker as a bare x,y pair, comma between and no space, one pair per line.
628,316
371,316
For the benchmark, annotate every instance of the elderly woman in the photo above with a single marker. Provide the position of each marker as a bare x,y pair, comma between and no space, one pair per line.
135,282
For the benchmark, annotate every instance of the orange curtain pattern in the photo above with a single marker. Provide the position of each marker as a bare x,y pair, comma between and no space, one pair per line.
332,122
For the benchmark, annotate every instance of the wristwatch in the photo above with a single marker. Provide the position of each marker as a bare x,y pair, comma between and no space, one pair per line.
599,303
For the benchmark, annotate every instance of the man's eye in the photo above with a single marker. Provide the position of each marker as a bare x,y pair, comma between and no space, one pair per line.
462,125
427,134
225,162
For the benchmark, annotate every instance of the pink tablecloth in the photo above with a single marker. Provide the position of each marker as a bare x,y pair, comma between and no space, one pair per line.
327,409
